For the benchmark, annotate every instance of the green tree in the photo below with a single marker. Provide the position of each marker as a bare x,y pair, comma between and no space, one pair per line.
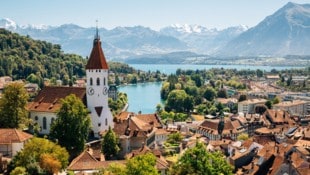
243,136
209,94
110,144
259,73
40,155
179,101
198,160
242,97
142,165
268,104
276,100
13,113
222,93
174,138
72,125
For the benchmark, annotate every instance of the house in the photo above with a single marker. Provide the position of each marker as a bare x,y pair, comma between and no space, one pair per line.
228,102
87,164
248,106
162,165
216,129
134,131
294,107
277,117
12,141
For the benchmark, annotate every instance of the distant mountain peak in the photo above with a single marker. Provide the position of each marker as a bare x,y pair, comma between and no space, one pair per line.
8,24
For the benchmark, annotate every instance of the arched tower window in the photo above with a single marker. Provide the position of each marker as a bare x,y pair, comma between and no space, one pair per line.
104,81
98,81
91,81
44,122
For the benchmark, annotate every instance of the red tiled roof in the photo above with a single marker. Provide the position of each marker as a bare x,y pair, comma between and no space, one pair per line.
85,161
151,119
48,99
97,59
13,136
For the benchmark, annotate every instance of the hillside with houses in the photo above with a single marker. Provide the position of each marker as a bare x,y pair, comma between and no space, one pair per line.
243,122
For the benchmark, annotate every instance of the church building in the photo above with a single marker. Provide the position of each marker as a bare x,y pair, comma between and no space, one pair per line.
95,96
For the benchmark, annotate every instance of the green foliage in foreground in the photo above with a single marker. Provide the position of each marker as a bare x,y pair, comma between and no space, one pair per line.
39,156
139,165
199,161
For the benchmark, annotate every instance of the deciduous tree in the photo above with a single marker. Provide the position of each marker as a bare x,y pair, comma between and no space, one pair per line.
13,112
72,125
142,165
42,155
198,160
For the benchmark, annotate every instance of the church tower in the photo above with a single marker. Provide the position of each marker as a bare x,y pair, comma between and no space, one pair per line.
97,88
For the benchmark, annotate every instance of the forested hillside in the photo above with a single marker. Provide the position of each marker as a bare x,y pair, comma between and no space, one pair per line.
21,56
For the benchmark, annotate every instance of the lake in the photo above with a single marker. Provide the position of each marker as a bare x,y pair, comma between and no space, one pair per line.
145,96
142,97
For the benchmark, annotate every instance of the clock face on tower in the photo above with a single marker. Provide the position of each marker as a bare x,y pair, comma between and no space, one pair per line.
105,91
90,91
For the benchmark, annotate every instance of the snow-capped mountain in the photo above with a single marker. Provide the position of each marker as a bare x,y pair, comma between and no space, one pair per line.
201,39
8,24
286,32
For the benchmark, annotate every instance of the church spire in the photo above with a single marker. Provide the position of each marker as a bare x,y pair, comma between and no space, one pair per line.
97,59
97,37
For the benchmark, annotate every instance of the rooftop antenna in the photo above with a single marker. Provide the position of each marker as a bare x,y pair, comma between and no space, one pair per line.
97,33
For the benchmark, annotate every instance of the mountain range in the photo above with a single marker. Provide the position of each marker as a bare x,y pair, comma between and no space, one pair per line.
286,32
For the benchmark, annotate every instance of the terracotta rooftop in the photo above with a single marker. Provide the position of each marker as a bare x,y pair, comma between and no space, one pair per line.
133,127
277,116
152,119
48,99
8,136
85,161
97,59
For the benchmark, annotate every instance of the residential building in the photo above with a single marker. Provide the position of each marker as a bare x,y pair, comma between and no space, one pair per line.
12,141
248,106
294,107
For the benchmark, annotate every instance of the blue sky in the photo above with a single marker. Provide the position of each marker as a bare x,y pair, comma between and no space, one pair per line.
149,13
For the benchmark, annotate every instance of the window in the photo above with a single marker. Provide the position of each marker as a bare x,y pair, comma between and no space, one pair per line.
36,118
91,81
106,121
44,122
98,81
103,81
99,124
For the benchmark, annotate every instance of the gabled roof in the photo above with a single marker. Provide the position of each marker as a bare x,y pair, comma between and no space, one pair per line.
152,119
8,136
48,99
85,161
97,59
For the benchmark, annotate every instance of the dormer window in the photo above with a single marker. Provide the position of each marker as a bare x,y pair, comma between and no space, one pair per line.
91,81
98,81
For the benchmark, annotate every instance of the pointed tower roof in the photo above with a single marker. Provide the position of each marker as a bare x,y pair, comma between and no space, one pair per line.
97,59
